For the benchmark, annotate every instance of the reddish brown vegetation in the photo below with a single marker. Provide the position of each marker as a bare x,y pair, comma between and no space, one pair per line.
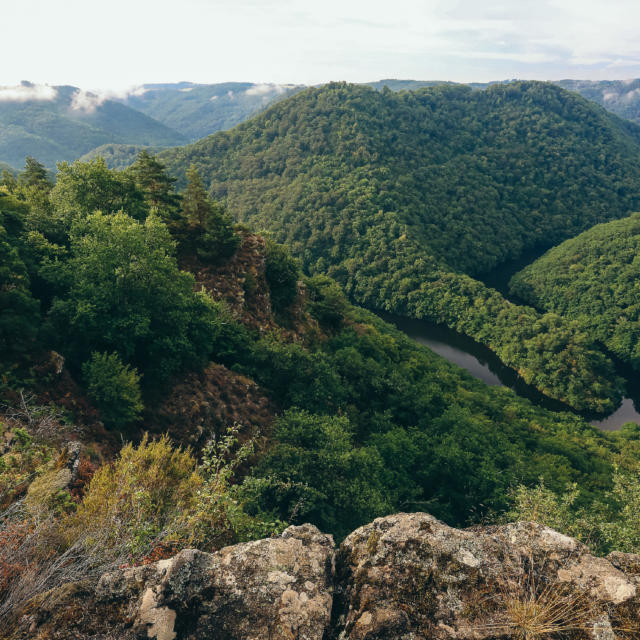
205,404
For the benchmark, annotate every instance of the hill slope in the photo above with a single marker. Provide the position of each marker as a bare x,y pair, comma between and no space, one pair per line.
595,279
66,123
397,195
197,110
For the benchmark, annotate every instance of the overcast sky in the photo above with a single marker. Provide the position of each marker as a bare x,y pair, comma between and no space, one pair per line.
111,44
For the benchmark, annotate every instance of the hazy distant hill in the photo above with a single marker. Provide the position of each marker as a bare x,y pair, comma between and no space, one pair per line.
118,156
197,110
63,123
621,97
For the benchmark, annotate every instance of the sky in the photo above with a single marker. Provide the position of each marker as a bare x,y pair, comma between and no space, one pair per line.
115,44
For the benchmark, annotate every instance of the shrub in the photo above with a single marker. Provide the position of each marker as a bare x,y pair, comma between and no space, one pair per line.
217,514
131,502
114,387
282,273
611,523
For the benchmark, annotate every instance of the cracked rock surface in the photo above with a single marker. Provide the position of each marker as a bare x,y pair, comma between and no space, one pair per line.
402,577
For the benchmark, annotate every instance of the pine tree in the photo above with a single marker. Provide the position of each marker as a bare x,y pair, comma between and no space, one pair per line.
156,184
209,229
35,175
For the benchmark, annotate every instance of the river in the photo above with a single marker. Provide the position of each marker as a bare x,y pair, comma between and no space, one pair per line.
483,364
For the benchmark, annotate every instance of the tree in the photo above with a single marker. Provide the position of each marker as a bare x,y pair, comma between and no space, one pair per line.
114,387
336,486
35,175
282,275
209,230
157,186
123,293
83,188
19,312
8,181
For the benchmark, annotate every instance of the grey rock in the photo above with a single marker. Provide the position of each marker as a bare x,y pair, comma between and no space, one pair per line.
411,577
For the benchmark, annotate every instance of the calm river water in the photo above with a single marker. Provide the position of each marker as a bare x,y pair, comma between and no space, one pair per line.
481,363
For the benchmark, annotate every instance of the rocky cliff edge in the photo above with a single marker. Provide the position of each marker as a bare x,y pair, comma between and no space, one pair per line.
402,577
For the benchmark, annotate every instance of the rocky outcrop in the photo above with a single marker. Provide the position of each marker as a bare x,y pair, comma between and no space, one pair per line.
402,577
279,589
409,576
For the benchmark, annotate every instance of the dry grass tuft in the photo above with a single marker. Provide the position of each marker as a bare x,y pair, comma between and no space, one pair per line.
529,607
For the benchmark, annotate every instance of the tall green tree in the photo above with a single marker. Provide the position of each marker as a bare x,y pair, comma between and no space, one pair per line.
19,312
157,185
124,293
208,229
83,188
35,175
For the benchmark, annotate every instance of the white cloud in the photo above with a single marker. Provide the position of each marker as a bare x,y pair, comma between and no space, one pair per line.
186,89
132,91
267,89
89,101
86,101
27,91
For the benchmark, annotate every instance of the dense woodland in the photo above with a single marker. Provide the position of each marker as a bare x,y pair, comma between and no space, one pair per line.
593,279
131,306
390,193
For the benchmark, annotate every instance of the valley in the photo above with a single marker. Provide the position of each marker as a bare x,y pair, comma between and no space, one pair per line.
484,365
339,309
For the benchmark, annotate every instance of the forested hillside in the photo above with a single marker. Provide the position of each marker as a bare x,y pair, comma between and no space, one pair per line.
594,279
65,123
402,196
117,156
618,96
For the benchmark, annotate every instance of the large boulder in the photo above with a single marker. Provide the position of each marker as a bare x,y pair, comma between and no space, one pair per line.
278,588
411,577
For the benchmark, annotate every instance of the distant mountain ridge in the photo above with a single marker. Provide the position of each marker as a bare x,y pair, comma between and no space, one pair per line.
55,123
621,97
198,110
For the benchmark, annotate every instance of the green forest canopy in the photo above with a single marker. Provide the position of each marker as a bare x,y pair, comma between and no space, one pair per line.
593,279
370,423
402,196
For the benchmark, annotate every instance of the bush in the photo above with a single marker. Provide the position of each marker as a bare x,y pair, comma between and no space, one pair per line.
133,501
217,515
611,523
115,388
282,275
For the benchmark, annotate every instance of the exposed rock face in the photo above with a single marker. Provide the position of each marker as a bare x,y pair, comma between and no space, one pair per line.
409,576
402,577
279,588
